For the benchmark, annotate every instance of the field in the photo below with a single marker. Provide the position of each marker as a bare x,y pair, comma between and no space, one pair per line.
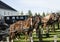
49,39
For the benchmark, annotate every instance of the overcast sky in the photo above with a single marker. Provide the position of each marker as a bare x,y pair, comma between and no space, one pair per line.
34,5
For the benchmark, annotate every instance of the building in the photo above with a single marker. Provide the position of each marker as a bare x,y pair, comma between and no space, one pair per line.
9,14
6,10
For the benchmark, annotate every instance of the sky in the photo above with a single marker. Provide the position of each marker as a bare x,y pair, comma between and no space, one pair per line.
34,5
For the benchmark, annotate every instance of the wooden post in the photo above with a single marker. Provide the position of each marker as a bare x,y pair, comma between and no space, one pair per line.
55,38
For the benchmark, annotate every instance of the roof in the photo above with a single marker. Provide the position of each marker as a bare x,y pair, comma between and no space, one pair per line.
5,6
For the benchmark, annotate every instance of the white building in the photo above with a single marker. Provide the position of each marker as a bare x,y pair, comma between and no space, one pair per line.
6,10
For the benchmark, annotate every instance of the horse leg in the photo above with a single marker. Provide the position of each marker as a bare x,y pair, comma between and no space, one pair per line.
58,24
40,35
30,35
11,37
26,36
53,27
42,30
17,36
44,25
47,32
37,32
12,40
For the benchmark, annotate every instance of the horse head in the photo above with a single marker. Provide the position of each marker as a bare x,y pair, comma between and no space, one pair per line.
37,21
58,17
49,19
54,16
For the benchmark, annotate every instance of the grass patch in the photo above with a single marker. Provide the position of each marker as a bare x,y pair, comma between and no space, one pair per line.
49,39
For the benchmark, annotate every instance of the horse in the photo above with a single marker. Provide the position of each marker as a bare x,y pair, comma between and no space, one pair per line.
37,27
58,20
49,20
20,27
25,27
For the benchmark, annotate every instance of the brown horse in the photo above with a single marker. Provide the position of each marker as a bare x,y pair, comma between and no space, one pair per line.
49,20
25,26
20,27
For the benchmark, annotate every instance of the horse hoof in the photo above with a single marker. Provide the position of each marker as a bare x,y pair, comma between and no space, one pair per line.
16,38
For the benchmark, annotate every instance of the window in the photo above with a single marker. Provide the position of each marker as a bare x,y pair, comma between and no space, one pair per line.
7,18
0,17
13,21
0,13
5,13
8,13
21,17
17,17
13,17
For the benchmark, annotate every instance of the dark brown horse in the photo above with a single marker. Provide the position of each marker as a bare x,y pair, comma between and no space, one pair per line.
37,27
58,20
